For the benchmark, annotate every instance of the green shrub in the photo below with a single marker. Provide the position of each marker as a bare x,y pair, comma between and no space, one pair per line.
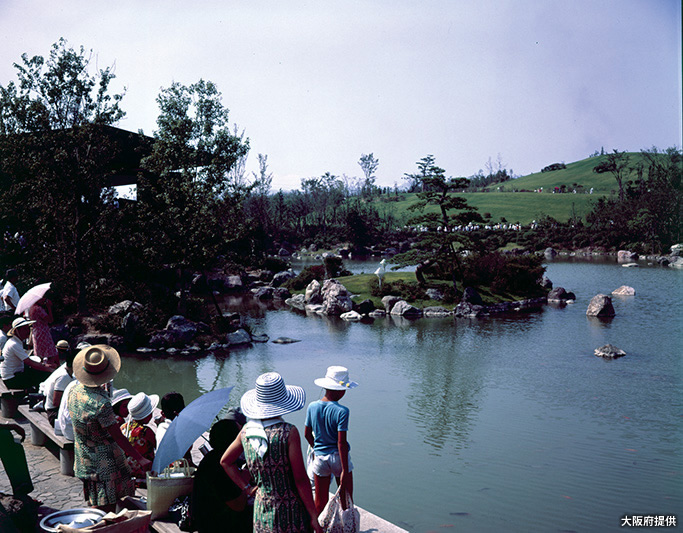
307,275
409,291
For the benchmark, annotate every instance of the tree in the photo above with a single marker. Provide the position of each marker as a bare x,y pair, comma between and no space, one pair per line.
368,163
56,153
189,207
438,248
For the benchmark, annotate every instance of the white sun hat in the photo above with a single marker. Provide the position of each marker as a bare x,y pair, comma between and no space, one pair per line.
272,398
141,405
336,378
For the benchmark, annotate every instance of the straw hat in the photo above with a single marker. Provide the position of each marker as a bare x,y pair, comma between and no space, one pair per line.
63,345
272,398
19,323
336,378
96,365
141,405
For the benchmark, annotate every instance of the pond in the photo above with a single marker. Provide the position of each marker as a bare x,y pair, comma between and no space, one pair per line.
506,423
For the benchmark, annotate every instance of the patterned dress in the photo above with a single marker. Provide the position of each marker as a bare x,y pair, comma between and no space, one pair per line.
143,440
278,507
43,345
98,461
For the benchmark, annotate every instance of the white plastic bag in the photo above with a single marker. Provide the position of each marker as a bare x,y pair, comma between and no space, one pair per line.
334,519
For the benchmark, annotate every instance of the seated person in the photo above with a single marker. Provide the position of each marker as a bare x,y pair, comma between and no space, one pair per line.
119,402
217,503
5,324
62,423
53,387
171,404
139,434
17,369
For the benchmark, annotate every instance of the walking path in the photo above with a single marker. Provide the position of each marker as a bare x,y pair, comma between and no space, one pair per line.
58,492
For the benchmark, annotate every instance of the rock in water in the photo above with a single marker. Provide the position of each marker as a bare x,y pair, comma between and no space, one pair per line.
608,351
624,290
600,306
285,340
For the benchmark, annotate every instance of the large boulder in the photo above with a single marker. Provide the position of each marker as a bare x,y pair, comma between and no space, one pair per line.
677,249
626,256
608,351
600,306
435,294
366,307
559,294
233,283
389,302
280,293
336,299
312,294
124,307
265,293
677,262
297,301
468,310
471,296
624,290
238,338
403,308
281,277
550,253
182,329
545,282
436,312
353,316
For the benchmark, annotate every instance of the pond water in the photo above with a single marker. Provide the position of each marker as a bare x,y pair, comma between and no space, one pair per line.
501,424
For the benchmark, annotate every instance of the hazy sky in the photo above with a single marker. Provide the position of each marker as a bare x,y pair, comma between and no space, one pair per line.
317,84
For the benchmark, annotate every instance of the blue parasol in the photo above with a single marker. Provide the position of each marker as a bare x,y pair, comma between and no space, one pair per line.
188,426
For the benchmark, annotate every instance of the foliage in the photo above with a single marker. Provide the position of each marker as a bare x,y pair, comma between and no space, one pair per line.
515,274
438,248
334,267
275,264
368,164
409,291
308,274
189,208
56,153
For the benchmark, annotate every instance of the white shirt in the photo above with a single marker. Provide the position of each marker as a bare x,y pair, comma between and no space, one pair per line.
15,355
3,340
11,291
58,381
63,425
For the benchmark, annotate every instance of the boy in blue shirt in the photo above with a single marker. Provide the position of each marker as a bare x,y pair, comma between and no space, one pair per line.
327,423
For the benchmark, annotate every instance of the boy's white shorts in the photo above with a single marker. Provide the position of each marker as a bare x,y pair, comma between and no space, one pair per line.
325,465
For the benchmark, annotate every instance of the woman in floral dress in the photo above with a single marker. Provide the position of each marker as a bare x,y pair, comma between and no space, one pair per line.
100,449
272,448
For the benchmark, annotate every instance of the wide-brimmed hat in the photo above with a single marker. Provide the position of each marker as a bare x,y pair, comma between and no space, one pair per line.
19,323
336,378
141,405
96,365
272,397
120,395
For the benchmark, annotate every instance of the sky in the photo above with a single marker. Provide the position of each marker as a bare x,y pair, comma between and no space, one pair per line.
314,85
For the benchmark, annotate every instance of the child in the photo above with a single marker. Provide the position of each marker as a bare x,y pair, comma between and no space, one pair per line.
326,425
140,411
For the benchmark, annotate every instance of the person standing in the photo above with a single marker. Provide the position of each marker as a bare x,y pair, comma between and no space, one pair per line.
17,370
13,458
100,449
43,345
327,423
9,294
272,448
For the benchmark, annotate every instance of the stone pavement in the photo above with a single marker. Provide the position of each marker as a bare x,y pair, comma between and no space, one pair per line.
57,491
54,490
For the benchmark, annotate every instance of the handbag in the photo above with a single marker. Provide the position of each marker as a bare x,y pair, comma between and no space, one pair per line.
334,519
163,489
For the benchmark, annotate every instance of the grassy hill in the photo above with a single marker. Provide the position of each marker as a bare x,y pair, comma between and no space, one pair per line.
524,207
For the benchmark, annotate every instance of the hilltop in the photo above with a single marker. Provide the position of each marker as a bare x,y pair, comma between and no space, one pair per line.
516,202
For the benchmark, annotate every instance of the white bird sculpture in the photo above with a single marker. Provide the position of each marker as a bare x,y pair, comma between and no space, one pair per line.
380,271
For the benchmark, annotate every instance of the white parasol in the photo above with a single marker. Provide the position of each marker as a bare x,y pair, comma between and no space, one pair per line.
31,296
